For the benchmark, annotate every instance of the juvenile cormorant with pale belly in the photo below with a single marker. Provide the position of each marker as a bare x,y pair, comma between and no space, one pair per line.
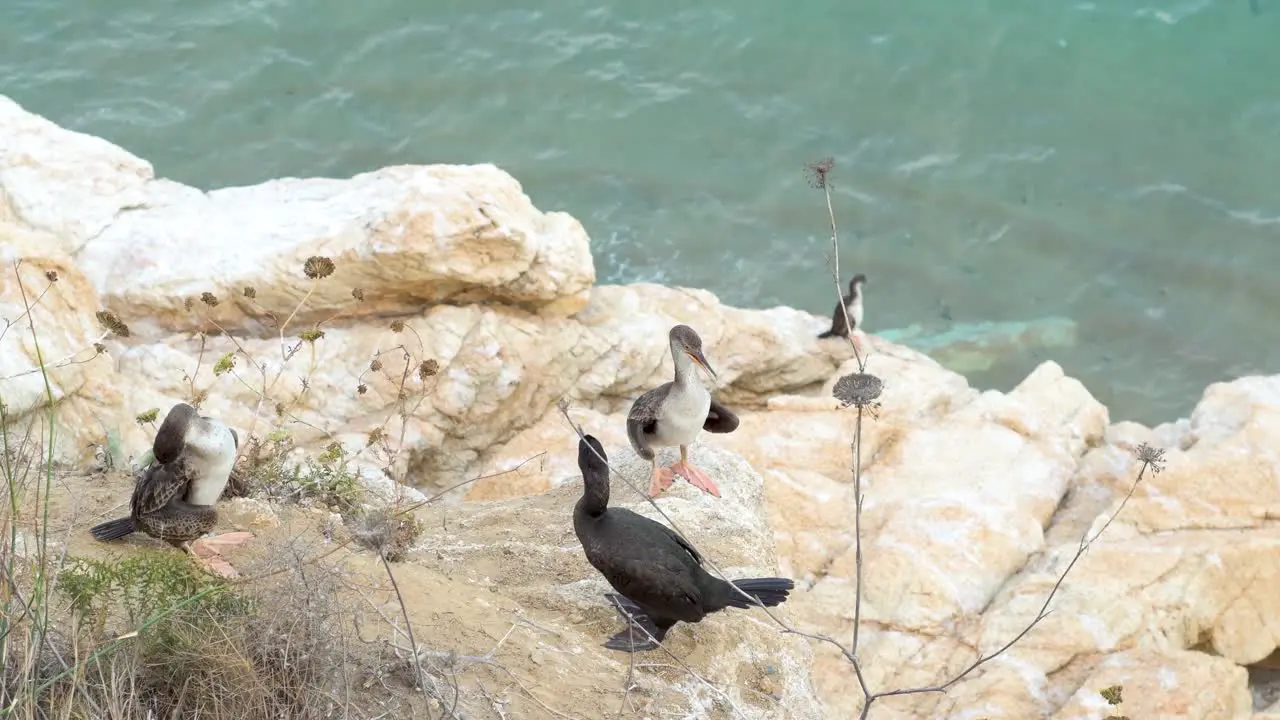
673,414
175,498
851,304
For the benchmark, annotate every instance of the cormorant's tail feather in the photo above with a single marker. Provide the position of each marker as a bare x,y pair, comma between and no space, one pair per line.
828,334
633,639
113,529
769,591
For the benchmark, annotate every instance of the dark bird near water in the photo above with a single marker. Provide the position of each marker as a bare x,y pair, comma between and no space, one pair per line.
174,499
658,575
852,303
673,414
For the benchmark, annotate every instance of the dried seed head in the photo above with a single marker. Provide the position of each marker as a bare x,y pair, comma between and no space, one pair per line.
1152,457
209,299
375,436
860,389
332,452
99,348
249,292
362,389
397,325
188,303
51,276
428,368
111,322
386,532
357,293
375,365
317,267
199,397
820,171
280,409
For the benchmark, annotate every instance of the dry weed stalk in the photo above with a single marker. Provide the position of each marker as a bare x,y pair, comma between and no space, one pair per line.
111,326
861,390
54,673
19,462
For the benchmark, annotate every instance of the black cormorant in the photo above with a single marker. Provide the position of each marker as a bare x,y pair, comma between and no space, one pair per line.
658,575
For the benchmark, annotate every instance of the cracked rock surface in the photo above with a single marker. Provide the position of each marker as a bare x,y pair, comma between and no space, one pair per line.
975,502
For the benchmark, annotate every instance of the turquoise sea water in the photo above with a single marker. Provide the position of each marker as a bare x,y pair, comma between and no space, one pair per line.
1115,162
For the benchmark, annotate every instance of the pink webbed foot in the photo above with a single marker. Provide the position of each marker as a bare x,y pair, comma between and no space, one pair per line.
696,477
662,479
859,344
206,553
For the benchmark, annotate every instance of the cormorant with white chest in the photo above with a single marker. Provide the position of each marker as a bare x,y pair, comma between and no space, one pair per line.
175,498
673,414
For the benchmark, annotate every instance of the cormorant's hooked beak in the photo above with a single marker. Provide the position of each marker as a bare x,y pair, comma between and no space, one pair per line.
700,360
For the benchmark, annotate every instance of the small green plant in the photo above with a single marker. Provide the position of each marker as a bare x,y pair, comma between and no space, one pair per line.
141,586
327,479
1114,695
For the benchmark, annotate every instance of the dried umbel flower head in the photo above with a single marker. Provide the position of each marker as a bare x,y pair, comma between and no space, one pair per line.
99,348
859,389
209,299
375,365
249,292
357,293
397,325
188,303
820,171
317,267
375,436
1152,457
112,323
362,389
428,368
51,276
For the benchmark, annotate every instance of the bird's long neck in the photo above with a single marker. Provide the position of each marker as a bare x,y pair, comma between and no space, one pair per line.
595,495
686,371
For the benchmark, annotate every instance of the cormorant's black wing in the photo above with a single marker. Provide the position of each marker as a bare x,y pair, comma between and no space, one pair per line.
647,562
720,419
682,542
642,419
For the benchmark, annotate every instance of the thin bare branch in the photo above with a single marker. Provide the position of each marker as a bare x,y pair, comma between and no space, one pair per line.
1085,543
408,628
